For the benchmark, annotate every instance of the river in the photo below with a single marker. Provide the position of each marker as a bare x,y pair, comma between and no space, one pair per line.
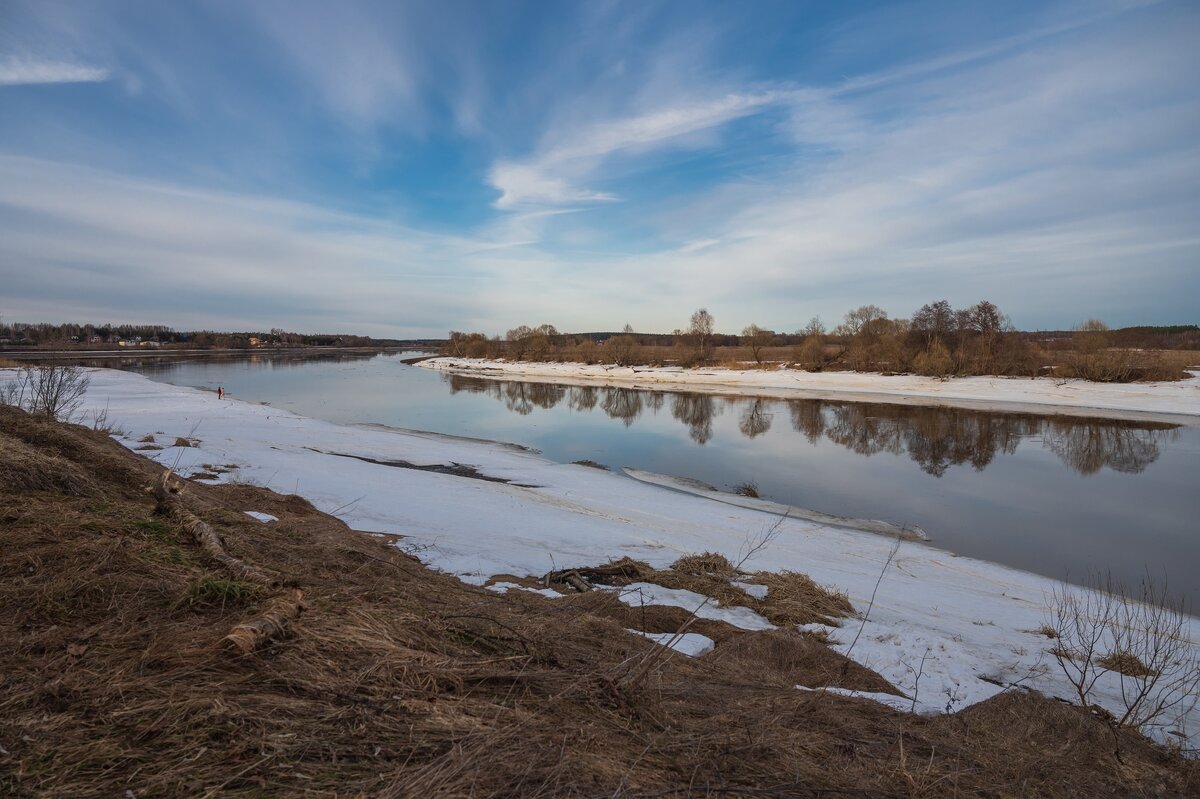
1058,496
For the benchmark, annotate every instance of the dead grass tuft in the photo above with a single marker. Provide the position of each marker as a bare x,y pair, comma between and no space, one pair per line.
794,598
708,564
1126,663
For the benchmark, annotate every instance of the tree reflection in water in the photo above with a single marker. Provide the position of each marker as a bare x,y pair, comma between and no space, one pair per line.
696,411
622,403
933,437
1121,446
756,418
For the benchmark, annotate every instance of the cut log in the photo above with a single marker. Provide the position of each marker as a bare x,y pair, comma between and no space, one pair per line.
578,583
281,611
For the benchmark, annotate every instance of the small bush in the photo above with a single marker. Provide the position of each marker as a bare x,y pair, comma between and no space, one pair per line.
747,489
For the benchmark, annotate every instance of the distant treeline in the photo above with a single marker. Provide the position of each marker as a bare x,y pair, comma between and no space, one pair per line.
937,340
70,334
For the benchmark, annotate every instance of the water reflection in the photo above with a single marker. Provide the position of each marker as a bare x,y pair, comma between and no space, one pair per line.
935,438
697,412
162,365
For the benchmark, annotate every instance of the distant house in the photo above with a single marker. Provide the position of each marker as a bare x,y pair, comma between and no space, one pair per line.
255,341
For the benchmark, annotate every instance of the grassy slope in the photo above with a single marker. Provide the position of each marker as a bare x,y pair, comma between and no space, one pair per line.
399,681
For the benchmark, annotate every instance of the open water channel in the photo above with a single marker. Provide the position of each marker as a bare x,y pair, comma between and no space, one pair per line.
1059,496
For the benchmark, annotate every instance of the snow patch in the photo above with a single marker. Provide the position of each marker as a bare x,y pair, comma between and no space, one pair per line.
691,644
638,594
504,588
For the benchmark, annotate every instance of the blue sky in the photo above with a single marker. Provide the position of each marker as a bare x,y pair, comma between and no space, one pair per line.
401,169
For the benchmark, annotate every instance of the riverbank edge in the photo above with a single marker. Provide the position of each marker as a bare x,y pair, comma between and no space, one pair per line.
975,621
1169,403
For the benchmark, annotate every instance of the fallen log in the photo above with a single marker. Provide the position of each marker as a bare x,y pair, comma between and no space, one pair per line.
171,506
268,625
281,610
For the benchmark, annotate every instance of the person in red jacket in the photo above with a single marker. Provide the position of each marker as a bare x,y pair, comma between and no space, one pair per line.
220,392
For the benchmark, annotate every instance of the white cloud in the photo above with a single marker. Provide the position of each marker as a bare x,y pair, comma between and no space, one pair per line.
76,237
16,71
551,175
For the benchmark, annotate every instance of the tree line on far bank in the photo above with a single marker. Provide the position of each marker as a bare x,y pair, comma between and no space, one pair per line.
81,335
937,340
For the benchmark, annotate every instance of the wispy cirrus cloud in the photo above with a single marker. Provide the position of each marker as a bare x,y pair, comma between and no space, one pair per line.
553,175
23,71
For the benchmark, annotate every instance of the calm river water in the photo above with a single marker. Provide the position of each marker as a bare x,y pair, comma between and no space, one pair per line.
1053,495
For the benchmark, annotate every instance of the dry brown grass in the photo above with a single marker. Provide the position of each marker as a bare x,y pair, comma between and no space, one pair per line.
1125,663
705,564
25,469
794,598
402,682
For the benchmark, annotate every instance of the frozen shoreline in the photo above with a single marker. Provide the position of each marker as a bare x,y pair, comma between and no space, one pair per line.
968,627
1172,402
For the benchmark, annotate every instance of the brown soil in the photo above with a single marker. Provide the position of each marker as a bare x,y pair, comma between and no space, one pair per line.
401,682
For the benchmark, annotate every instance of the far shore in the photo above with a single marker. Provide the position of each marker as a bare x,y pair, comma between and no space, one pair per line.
1175,402
165,352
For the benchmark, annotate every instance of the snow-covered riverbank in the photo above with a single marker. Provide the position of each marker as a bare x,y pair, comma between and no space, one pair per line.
947,630
1177,402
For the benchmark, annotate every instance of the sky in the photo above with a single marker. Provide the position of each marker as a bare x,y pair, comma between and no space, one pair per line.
401,169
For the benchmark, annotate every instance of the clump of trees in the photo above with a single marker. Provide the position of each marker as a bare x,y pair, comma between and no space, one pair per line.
938,340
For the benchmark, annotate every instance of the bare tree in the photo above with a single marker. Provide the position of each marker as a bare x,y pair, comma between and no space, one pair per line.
932,322
756,339
863,321
700,329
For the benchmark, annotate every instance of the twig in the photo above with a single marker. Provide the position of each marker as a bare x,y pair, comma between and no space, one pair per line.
867,615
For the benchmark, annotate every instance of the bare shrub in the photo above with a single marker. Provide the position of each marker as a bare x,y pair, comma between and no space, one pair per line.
934,361
812,354
747,489
55,392
1104,629
756,339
